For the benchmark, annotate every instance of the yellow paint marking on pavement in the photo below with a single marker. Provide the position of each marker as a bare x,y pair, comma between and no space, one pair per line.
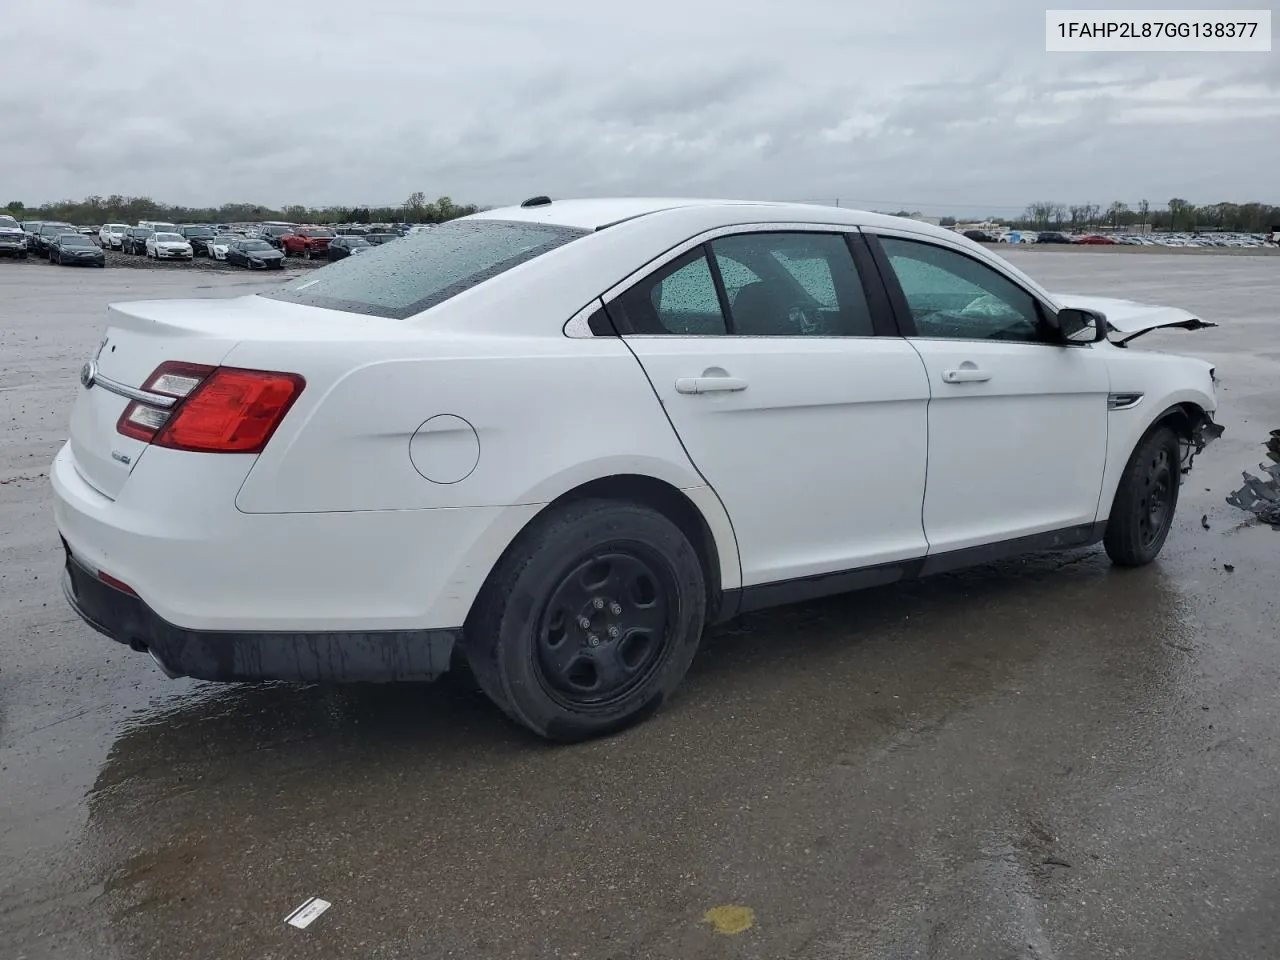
730,919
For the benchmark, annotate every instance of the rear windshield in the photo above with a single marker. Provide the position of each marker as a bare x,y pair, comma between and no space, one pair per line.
400,279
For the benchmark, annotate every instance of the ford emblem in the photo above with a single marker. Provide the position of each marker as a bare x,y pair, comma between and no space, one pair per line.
88,374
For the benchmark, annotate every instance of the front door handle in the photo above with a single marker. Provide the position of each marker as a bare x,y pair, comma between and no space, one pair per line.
693,385
966,373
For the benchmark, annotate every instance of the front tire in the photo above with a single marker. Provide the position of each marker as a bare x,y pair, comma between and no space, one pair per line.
589,621
1146,500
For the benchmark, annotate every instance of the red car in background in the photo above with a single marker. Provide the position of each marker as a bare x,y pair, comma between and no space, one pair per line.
306,242
1095,238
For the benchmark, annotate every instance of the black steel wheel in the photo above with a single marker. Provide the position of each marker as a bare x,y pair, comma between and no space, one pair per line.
1146,500
589,621
606,625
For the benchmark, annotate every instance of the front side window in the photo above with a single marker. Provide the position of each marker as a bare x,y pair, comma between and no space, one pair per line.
952,296
402,279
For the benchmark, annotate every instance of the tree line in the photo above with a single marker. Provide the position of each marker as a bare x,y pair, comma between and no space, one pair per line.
1178,215
119,209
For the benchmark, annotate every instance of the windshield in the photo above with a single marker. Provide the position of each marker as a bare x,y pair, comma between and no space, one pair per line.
202,232
316,232
7,221
74,240
168,238
256,245
400,279
52,228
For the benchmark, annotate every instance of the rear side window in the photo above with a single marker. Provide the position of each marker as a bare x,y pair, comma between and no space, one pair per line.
400,279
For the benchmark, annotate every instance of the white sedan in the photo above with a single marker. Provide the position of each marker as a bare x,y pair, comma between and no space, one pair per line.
111,236
219,245
169,246
562,438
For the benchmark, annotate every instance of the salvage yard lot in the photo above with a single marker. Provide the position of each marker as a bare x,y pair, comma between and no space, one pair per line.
1045,757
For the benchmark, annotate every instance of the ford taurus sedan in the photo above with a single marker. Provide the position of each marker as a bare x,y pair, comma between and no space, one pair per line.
560,439
75,249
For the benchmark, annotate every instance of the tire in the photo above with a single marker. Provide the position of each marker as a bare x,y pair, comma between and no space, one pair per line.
306,253
525,640
1146,500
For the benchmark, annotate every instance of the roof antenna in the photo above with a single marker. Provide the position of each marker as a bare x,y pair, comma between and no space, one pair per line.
536,202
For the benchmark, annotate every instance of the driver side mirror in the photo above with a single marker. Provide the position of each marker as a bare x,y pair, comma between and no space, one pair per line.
1082,326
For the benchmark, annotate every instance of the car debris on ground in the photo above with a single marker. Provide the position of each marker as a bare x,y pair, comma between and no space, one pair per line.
1262,497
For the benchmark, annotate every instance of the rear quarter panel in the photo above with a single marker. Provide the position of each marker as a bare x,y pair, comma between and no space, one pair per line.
549,414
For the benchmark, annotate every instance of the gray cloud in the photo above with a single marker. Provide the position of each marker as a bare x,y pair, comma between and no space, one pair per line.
926,103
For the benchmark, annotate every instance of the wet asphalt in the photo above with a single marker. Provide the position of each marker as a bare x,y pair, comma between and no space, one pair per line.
1040,758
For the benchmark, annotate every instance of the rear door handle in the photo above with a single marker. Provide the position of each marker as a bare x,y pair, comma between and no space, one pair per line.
964,374
693,385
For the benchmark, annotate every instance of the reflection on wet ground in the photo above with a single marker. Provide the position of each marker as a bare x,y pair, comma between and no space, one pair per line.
1041,758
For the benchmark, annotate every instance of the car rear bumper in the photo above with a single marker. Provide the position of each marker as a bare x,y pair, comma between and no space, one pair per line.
391,655
174,535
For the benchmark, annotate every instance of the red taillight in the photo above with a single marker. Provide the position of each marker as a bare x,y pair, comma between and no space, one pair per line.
219,409
142,421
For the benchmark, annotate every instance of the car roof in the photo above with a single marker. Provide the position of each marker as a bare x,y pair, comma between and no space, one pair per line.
595,214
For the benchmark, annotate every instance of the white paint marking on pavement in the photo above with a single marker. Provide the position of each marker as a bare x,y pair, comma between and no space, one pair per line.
305,914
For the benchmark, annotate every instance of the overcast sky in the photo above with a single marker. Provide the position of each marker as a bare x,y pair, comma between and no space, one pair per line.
941,105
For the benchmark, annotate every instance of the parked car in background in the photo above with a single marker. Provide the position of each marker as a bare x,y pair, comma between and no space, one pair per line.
198,235
219,245
1096,239
169,246
135,240
306,242
254,253
350,230
158,226
111,236
89,231
342,247
378,239
272,233
31,228
75,249
982,236
1052,236
13,239
45,235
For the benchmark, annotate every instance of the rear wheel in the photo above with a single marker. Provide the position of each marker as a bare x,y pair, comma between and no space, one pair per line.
1146,500
589,621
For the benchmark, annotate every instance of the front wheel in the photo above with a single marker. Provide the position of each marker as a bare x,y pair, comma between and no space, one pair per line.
589,621
1142,512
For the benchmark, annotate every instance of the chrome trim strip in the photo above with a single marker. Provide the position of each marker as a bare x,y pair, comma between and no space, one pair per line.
1123,401
133,393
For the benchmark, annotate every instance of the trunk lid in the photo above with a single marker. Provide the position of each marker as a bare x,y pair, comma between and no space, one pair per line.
139,337
1127,319
142,335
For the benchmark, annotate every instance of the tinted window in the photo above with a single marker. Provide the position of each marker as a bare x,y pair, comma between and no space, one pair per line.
954,296
792,284
679,299
202,233
401,279
74,240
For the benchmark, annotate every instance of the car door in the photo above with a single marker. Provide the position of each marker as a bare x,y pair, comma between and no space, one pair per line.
807,420
1017,419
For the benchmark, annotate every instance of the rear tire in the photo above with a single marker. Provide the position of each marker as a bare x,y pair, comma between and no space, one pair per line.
589,621
1146,500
